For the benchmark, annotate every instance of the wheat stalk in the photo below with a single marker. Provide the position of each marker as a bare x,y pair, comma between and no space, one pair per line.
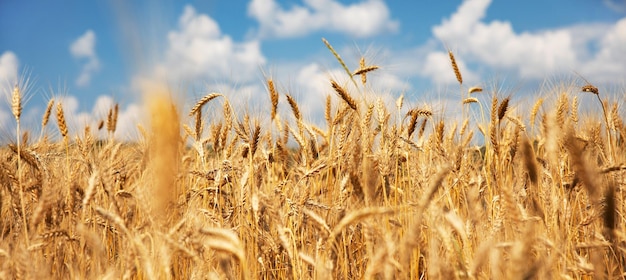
339,59
16,109
592,89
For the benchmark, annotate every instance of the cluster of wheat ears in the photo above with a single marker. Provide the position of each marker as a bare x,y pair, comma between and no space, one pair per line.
373,193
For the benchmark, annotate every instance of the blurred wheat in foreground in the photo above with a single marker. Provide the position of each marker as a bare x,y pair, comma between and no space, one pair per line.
374,193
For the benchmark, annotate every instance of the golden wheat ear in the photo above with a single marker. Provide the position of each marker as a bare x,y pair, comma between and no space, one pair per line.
61,120
204,100
46,114
273,97
502,109
294,107
344,95
363,70
16,102
455,68
198,131
474,89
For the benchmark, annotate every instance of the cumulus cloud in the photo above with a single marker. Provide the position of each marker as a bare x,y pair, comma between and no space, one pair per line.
609,62
8,77
362,19
590,48
84,48
8,67
198,49
496,44
314,86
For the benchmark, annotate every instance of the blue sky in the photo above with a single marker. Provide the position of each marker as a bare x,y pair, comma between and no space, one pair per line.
94,53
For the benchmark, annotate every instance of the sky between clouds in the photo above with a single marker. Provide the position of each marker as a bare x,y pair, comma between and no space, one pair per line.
93,55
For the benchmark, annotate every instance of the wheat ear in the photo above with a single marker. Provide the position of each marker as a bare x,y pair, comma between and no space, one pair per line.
294,107
504,106
273,97
470,100
344,95
474,89
202,101
46,114
16,103
364,70
61,120
198,127
455,67
533,112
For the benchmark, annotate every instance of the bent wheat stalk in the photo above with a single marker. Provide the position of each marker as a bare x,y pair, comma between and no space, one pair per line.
16,108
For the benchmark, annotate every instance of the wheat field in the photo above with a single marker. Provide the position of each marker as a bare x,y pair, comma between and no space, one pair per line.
374,192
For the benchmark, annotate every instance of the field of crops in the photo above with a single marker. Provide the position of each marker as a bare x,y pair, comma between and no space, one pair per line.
374,192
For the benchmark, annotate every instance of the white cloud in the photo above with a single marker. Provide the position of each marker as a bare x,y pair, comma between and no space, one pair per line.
84,48
127,122
608,64
4,117
102,106
532,55
596,49
9,64
314,86
198,49
362,19
8,67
